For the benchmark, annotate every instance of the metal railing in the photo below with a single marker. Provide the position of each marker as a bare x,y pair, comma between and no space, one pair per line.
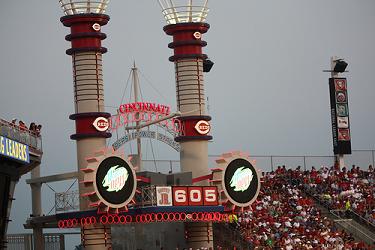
73,7
177,11
147,196
25,136
25,242
370,225
267,163
67,201
231,237
181,15
350,225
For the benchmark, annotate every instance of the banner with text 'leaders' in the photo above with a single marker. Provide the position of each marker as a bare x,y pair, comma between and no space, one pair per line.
14,150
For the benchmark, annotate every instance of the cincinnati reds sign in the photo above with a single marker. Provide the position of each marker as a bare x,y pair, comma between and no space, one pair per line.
144,112
101,124
203,127
144,107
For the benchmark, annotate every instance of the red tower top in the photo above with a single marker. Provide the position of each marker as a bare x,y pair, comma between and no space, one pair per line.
186,24
85,19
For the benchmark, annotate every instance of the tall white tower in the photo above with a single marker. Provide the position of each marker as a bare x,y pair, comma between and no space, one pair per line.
186,24
85,19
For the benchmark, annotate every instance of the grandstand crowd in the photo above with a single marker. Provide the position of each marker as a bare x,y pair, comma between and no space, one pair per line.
346,189
285,215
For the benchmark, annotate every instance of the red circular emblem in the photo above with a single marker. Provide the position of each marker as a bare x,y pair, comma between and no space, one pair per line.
197,35
101,124
96,27
203,127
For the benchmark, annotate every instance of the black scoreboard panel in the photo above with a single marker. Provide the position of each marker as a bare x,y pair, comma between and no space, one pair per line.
340,116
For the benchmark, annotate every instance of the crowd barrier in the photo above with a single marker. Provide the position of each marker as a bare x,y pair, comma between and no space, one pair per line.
25,242
267,163
13,132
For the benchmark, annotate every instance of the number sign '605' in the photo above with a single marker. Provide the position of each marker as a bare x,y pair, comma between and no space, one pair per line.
195,196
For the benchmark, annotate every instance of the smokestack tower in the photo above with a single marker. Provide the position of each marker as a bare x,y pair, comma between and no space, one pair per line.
186,24
85,19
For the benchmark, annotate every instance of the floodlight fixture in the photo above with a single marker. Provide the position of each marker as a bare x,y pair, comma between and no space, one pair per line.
207,65
184,11
340,66
74,7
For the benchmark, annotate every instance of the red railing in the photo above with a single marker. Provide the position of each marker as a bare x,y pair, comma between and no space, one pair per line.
14,132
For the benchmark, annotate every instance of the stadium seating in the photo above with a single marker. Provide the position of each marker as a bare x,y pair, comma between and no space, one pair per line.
284,217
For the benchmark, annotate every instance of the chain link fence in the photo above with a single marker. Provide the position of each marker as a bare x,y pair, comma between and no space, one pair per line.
267,163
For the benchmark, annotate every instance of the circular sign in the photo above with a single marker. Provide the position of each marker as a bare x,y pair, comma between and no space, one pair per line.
241,182
341,97
96,27
202,127
115,182
342,110
340,84
101,124
197,35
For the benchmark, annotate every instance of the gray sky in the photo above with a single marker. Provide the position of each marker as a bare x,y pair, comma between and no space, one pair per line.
267,92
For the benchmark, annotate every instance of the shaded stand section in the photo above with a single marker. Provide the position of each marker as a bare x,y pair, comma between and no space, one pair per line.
10,173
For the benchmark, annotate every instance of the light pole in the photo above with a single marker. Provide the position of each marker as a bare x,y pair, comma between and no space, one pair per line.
186,24
339,111
85,19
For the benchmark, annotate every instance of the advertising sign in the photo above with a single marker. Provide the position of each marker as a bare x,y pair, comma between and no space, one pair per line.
342,122
115,182
340,116
241,182
343,135
164,196
342,110
146,134
14,150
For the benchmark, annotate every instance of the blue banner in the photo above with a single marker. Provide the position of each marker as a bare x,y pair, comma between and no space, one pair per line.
14,150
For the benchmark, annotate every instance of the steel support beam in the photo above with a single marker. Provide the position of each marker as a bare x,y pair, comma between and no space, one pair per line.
53,178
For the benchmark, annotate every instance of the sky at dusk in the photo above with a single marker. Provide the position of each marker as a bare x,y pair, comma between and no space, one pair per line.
267,92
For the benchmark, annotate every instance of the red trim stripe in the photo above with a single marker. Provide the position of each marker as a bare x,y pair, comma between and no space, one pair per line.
202,178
